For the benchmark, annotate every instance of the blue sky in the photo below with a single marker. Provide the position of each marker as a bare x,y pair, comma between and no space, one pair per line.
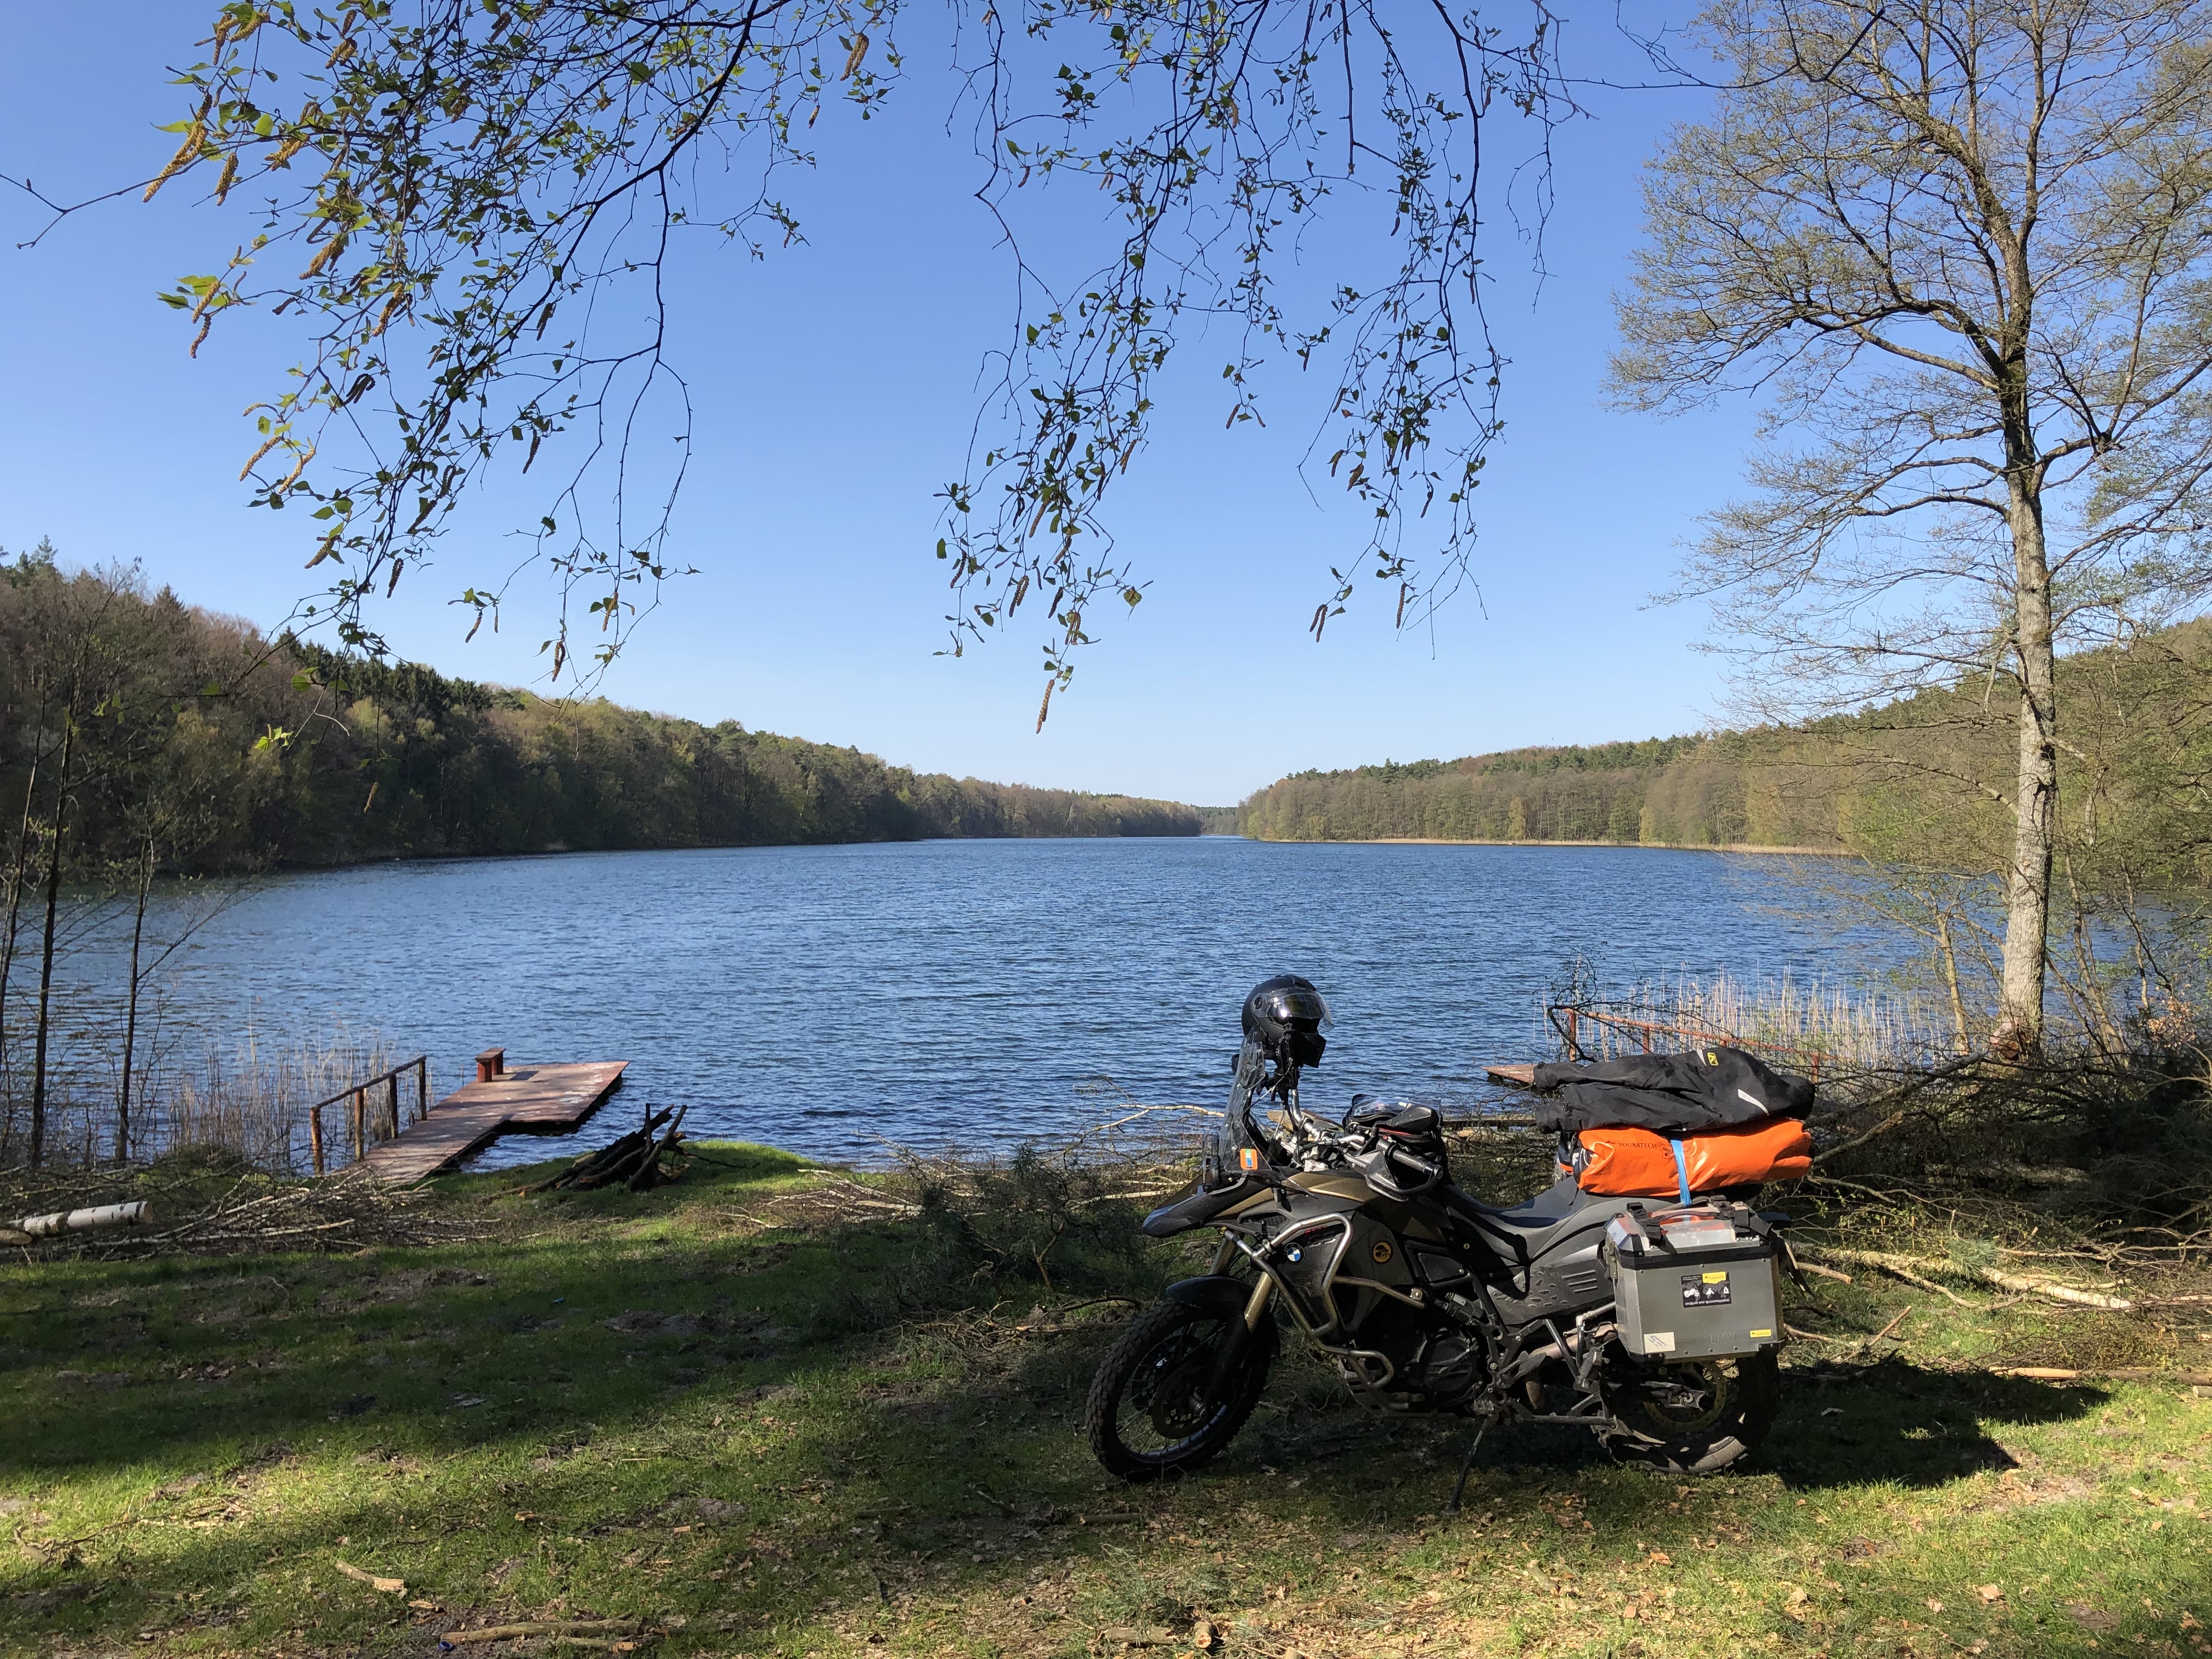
835,384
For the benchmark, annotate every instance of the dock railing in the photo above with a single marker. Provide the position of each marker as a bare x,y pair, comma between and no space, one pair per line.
388,1122
1570,1020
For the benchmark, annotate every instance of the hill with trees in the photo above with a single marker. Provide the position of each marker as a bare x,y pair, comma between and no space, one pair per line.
1663,790
130,720
1916,784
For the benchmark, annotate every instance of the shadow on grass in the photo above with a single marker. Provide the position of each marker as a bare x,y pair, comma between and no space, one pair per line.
1910,1425
663,1411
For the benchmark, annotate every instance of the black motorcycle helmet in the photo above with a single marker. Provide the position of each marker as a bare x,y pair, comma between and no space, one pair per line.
1284,1015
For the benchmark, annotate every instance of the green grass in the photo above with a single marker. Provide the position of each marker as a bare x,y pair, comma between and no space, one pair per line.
812,1437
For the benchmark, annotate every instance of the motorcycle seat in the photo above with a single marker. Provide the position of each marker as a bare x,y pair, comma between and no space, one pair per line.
1538,1214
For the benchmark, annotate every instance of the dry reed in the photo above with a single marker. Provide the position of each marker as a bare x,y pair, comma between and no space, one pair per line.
1833,1029
248,1102
253,1101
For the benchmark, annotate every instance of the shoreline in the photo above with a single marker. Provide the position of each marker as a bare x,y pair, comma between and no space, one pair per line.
1624,846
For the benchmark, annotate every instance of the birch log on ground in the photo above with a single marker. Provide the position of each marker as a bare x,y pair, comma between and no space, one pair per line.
1911,1270
138,1212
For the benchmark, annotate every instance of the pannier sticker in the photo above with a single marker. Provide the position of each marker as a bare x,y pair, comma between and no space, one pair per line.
1706,1290
1769,1331
1658,1341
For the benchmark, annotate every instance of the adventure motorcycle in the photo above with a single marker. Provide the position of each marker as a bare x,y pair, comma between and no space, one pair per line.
1653,1324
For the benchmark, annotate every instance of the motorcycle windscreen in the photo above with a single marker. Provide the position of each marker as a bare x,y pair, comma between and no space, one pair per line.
1233,1145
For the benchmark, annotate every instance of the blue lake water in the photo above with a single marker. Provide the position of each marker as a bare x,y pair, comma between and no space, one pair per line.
969,994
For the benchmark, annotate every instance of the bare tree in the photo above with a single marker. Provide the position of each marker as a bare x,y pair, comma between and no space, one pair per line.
1961,250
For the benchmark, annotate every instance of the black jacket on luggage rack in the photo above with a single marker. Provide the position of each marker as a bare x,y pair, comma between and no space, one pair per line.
1688,1093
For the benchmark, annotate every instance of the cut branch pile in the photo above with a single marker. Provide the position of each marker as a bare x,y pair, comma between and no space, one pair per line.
249,1214
636,1161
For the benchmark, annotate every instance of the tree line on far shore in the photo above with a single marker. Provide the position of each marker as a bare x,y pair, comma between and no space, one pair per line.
126,715
1910,781
1663,790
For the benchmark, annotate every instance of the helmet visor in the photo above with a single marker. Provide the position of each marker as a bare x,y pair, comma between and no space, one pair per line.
1296,1003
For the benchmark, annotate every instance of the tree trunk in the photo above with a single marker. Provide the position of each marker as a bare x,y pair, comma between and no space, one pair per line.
7,945
46,955
1960,1040
130,1019
2028,896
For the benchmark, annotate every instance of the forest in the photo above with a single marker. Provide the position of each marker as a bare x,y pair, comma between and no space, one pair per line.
135,728
1909,782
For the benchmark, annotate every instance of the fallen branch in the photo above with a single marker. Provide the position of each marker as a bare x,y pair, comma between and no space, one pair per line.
1912,1269
1895,1266
2058,1293
1880,1128
2122,1374
389,1586
573,1627
1903,1313
1076,1306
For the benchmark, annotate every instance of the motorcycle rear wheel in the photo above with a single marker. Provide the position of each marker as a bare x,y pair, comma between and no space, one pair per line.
1147,1414
1692,1419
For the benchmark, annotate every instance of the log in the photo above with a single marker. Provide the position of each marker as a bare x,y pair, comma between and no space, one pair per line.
2120,1373
137,1214
1910,1269
541,1627
2056,1292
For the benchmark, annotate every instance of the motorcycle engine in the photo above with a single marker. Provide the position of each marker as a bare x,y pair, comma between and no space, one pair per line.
1429,1356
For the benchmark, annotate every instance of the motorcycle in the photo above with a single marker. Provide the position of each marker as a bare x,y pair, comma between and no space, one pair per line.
1655,1325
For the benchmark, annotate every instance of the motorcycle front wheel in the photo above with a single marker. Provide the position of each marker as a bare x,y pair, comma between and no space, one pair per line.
1692,1418
1148,1414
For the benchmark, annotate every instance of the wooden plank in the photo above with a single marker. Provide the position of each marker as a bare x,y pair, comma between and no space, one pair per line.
1521,1074
548,1099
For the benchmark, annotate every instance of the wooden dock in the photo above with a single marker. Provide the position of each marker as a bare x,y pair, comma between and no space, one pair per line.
545,1099
1521,1073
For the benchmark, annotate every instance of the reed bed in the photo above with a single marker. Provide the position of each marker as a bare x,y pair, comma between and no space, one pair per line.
253,1100
246,1102
1826,1027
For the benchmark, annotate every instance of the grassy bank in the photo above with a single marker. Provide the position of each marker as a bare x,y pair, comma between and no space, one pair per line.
771,1411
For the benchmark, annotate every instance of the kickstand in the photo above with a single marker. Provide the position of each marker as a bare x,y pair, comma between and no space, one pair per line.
1466,1467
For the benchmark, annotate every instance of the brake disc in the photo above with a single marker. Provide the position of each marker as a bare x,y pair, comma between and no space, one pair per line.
1179,1396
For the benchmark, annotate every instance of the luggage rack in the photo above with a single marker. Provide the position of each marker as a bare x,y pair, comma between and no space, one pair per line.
1568,1019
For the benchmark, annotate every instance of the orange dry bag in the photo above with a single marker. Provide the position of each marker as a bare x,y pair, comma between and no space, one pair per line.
1638,1164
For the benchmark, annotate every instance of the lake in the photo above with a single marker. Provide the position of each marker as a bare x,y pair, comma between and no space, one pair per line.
969,994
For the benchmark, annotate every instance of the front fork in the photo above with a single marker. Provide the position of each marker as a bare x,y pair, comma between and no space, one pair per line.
1240,1338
